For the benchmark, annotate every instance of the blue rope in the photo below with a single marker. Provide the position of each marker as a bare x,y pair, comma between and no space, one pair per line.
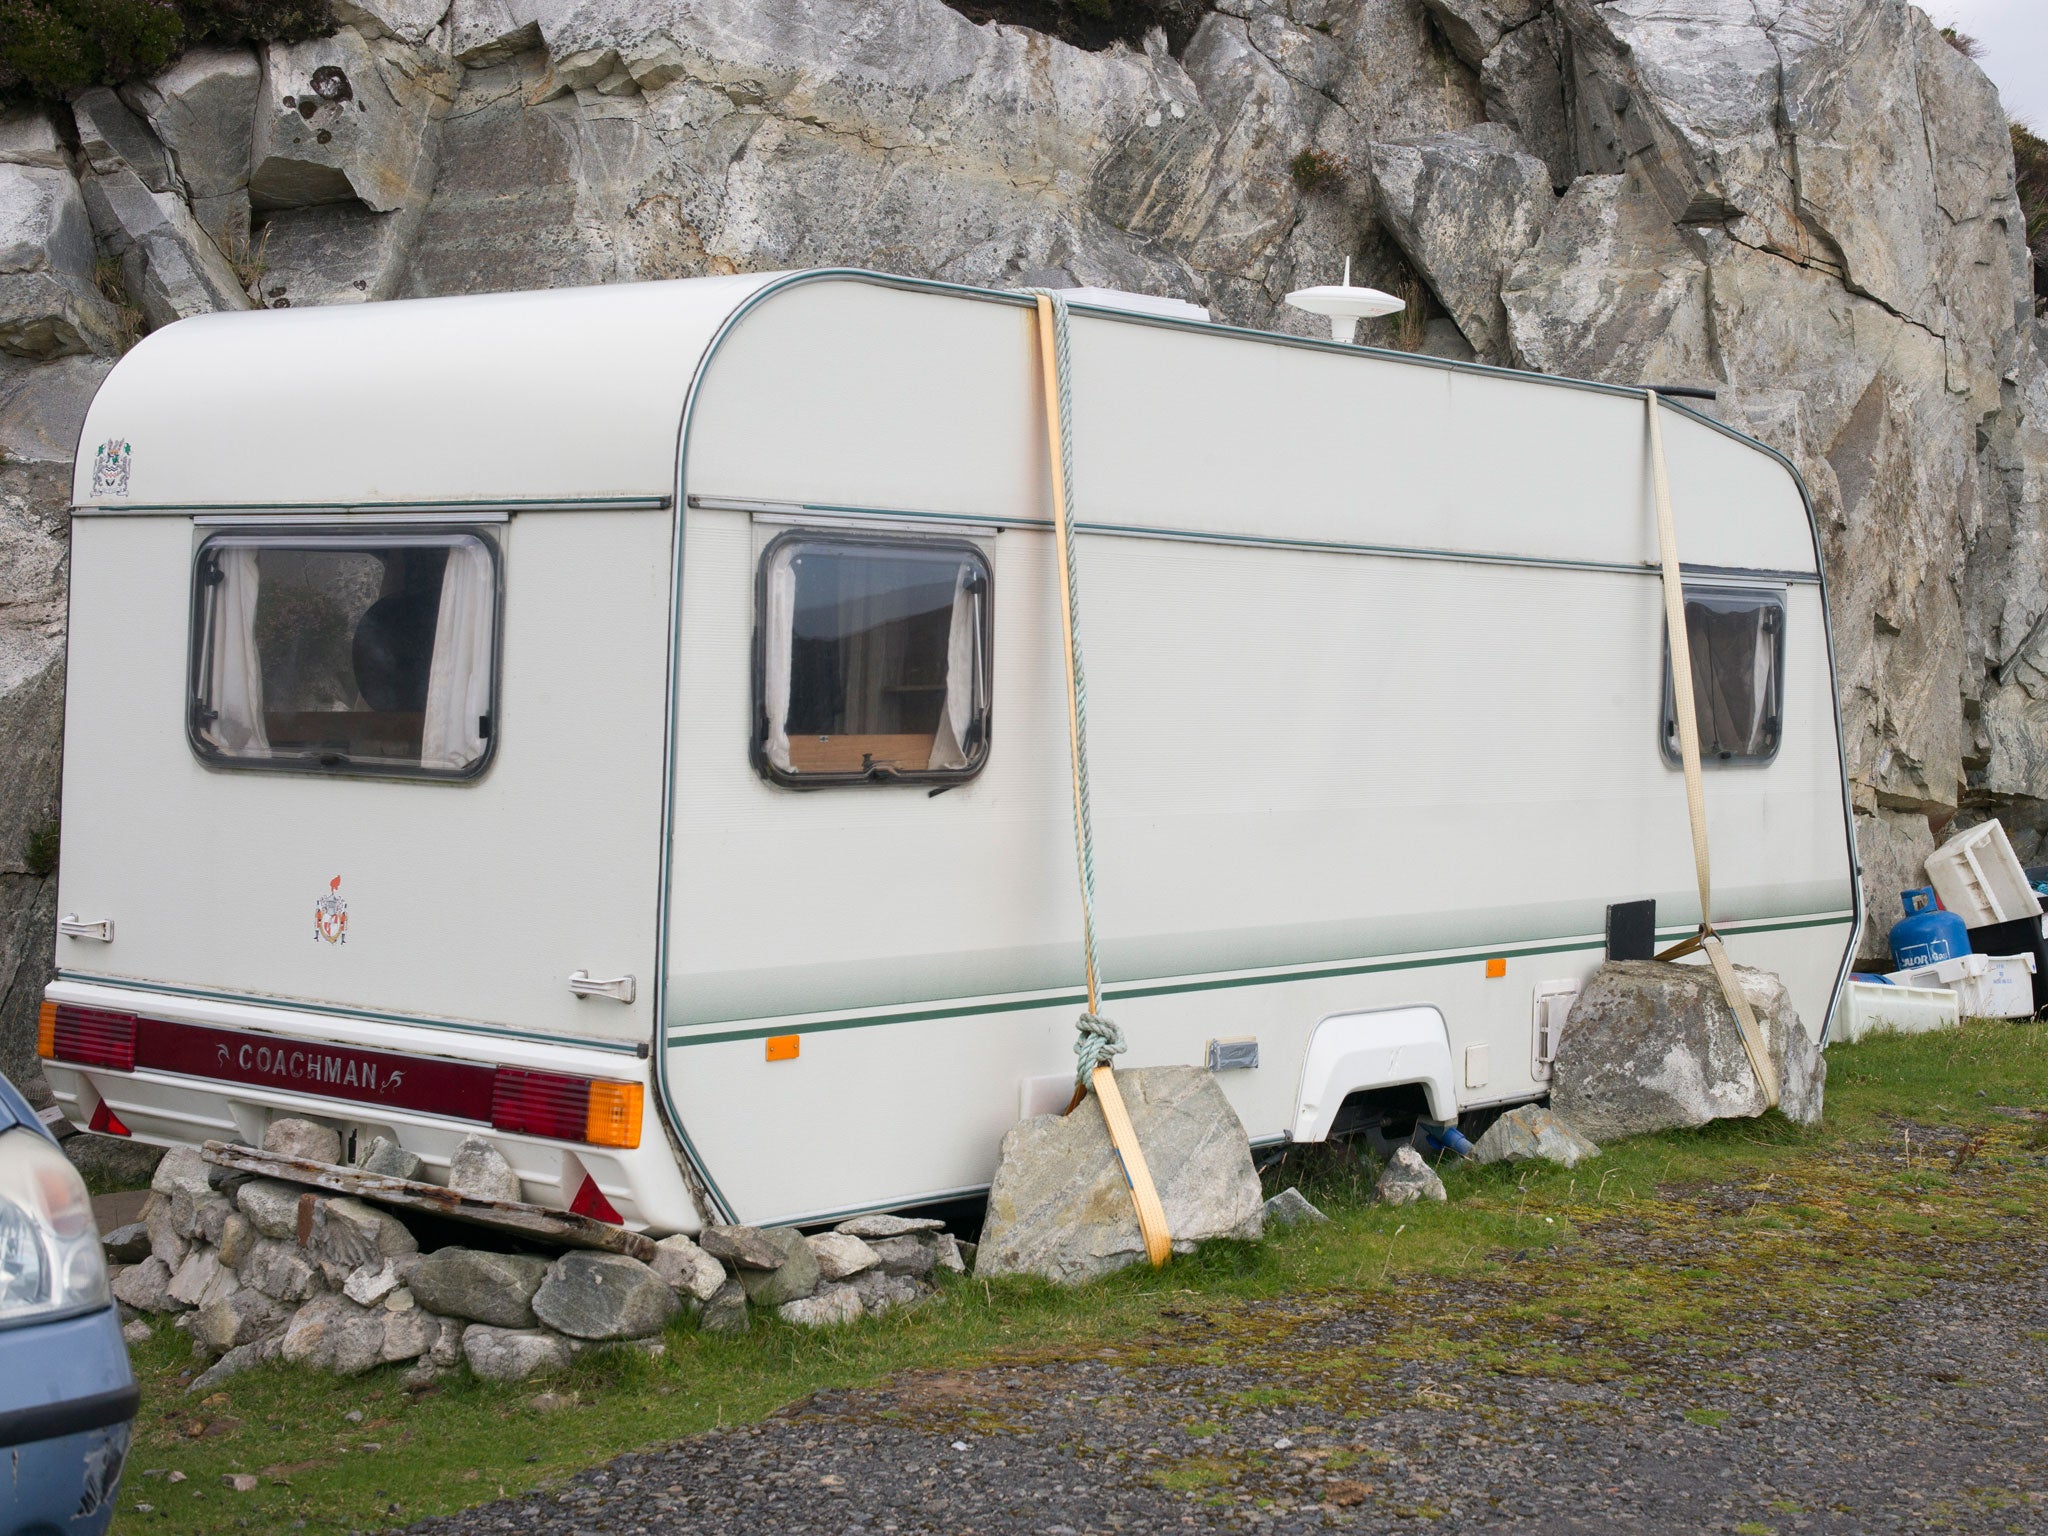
1097,1039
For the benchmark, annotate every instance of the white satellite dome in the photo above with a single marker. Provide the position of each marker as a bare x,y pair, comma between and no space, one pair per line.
1346,305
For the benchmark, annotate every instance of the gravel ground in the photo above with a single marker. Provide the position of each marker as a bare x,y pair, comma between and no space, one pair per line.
1927,1414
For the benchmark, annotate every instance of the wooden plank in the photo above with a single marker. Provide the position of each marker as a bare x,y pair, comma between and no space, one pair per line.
909,753
564,1229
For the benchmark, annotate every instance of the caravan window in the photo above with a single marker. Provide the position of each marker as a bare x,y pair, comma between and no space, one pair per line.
871,660
346,654
1737,640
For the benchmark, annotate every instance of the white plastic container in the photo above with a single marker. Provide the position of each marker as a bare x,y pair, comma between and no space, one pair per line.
1877,1009
1986,986
1979,878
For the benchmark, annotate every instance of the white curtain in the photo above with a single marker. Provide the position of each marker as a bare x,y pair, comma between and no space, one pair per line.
962,641
778,631
234,682
459,681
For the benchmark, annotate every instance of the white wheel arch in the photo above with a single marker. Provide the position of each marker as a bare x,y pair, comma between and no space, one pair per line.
1382,1048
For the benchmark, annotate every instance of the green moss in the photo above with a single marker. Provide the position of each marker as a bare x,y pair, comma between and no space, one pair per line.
39,857
50,49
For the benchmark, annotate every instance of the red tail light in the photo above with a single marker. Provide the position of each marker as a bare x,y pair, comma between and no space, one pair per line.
107,1123
541,1103
594,1110
93,1037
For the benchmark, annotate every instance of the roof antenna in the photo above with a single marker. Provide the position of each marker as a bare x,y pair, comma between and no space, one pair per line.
1346,305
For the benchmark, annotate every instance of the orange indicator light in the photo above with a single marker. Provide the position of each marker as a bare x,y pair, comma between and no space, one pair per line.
1496,967
783,1047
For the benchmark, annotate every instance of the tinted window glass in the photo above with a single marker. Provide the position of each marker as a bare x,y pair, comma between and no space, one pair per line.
1737,641
366,654
873,660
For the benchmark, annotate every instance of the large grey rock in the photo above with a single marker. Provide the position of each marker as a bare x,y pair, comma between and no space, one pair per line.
43,408
303,1138
480,1171
841,1255
493,1288
281,1270
1528,1132
506,1354
1407,1179
688,1268
1474,28
166,1242
146,1287
744,1247
1464,207
335,253
29,137
343,117
796,1276
1060,1207
1654,1046
871,1227
604,1296
916,1254
242,1357
202,1280
238,1239
332,1333
831,1307
1290,1208
409,21
111,137
241,1318
126,1244
202,109
347,1234
726,1311
409,1334
880,1291
49,306
1612,289
171,266
272,1206
486,32
389,1159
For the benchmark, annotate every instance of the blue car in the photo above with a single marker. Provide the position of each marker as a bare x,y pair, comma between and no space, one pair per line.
67,1396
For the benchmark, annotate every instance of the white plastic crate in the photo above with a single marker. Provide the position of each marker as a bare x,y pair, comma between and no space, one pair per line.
1877,1009
1979,878
1986,986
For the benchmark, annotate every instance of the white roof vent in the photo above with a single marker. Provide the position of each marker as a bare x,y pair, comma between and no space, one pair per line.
1346,305
1136,303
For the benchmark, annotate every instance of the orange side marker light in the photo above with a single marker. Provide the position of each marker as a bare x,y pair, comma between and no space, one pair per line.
1496,968
783,1047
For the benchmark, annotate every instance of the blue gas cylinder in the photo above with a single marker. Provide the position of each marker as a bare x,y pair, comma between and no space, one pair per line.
1926,933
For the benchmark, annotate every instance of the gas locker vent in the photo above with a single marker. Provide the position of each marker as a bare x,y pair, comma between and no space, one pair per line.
1554,1001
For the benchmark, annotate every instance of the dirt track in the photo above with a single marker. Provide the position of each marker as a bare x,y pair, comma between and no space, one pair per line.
1923,1414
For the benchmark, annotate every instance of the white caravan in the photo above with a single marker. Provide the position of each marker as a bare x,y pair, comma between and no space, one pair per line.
629,724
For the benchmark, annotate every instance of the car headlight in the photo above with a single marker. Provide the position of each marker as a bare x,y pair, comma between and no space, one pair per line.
50,1257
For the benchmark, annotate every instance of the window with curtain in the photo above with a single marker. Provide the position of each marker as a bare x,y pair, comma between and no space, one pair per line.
871,660
1737,639
345,653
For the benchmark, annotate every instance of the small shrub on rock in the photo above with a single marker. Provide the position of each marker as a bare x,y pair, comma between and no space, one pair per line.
52,48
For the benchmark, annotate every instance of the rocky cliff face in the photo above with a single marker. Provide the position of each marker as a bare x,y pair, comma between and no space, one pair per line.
1807,205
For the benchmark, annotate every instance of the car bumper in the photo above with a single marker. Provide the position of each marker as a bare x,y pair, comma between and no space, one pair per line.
67,1398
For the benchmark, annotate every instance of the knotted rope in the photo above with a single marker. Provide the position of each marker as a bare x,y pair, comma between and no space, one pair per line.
1097,1039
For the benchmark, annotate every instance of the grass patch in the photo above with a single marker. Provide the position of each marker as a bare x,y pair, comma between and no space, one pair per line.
1709,1418
1697,1244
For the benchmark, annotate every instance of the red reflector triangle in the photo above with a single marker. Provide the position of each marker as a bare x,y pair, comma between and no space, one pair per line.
107,1123
590,1201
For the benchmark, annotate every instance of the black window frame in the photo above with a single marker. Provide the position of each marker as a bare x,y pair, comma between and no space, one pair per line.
1773,598
846,539
342,536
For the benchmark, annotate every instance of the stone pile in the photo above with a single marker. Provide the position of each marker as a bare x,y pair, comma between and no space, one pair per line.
256,1269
